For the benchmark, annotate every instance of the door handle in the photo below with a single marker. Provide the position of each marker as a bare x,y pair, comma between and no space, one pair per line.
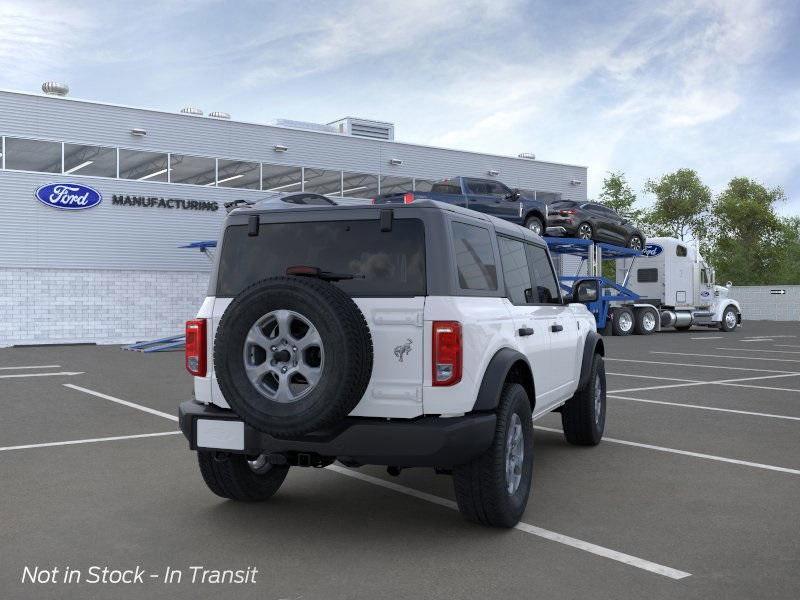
555,328
523,331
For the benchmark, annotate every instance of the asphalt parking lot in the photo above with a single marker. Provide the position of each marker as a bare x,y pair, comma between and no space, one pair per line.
693,493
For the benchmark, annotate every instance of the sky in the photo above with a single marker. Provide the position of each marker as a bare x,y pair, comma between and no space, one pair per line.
639,87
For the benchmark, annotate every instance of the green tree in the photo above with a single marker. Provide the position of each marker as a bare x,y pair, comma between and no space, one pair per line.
618,195
751,244
681,206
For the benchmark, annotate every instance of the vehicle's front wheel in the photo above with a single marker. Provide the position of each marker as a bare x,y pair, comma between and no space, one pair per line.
729,320
493,489
535,225
236,477
583,417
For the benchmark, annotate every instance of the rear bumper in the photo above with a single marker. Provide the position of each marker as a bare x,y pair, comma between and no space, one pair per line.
422,442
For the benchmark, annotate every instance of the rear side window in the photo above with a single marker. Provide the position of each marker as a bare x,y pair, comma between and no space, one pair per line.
515,270
545,286
680,251
446,187
392,263
474,257
647,275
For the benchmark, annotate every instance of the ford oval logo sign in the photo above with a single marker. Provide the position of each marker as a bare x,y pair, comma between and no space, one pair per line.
68,196
652,250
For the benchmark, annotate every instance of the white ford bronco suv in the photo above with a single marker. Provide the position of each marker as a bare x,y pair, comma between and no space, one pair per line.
418,335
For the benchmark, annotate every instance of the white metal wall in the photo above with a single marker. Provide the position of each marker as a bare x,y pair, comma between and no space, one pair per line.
765,302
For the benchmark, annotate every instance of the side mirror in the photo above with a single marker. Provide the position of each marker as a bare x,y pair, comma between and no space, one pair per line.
586,290
513,196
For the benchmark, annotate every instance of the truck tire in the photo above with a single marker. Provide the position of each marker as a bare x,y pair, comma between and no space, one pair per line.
729,319
292,355
493,489
635,242
237,478
645,323
622,321
585,231
583,417
535,224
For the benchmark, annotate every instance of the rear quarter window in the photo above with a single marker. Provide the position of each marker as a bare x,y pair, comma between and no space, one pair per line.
474,254
392,263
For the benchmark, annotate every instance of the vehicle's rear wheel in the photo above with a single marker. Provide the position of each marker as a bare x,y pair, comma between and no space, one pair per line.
729,319
635,242
534,224
292,355
622,321
583,417
585,231
493,489
645,323
238,477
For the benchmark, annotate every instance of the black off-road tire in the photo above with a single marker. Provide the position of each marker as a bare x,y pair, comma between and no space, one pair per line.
616,328
346,369
233,478
533,220
583,417
480,486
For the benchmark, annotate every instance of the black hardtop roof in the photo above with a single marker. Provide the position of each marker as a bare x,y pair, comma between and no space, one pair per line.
500,225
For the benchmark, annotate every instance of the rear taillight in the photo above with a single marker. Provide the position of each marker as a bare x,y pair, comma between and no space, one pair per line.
196,347
571,211
408,198
372,201
447,352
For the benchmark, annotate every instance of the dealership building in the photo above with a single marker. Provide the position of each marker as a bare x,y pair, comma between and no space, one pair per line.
106,265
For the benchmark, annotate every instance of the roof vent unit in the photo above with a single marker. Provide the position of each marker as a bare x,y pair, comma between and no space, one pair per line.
53,88
219,115
375,130
308,126
527,155
192,110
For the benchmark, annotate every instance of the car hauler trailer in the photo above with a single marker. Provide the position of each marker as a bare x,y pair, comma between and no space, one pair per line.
665,285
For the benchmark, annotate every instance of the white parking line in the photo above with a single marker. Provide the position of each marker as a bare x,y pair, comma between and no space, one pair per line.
794,360
701,407
733,382
759,350
787,346
756,340
733,461
146,409
674,364
90,440
708,337
31,367
18,375
665,378
532,529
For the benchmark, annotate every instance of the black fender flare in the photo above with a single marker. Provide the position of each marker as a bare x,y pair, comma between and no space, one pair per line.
591,346
496,374
535,212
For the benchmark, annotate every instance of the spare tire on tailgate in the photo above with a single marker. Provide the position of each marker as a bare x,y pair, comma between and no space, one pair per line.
292,355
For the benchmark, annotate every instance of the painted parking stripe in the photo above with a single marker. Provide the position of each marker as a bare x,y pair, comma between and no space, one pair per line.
89,440
708,337
532,529
62,373
674,364
31,367
787,346
794,360
733,382
664,378
146,409
701,407
733,461
760,350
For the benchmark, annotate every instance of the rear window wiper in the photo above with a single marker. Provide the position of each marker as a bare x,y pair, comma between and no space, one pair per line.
305,271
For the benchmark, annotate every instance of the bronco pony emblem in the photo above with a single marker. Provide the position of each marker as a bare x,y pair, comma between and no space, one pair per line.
402,350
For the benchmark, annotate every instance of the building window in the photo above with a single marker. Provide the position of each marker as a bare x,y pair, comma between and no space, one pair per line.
143,166
396,185
90,160
279,178
359,185
474,257
324,182
195,170
238,174
33,155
